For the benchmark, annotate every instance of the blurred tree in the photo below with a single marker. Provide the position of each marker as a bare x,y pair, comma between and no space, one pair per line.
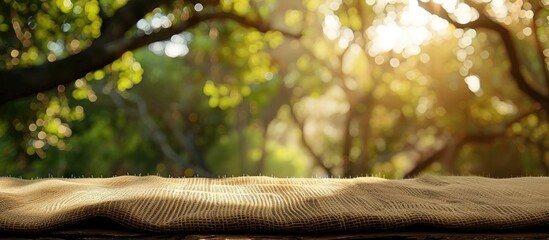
109,37
530,23
405,109
369,87
48,45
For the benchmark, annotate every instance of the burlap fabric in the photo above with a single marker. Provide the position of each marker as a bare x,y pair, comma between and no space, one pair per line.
263,204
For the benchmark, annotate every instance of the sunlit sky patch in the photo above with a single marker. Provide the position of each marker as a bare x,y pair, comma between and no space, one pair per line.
473,83
402,31
399,29
175,47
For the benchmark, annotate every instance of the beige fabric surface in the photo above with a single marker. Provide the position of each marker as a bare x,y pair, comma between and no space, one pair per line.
264,204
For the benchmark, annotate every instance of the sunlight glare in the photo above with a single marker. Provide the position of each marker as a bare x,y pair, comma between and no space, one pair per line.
465,14
448,5
175,50
499,9
414,15
331,26
404,30
473,83
175,47
439,24
346,37
387,36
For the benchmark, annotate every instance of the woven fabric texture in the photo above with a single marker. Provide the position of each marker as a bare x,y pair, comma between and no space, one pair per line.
264,204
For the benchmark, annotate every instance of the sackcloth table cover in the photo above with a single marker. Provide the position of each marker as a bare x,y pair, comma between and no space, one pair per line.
276,205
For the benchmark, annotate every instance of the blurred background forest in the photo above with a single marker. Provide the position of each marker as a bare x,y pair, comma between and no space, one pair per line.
391,88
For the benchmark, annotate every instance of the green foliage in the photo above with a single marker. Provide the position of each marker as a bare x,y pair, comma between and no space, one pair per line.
365,82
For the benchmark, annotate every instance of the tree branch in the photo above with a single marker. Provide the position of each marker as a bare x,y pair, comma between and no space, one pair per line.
126,17
540,49
485,21
187,141
454,144
157,135
268,114
449,146
318,159
17,83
